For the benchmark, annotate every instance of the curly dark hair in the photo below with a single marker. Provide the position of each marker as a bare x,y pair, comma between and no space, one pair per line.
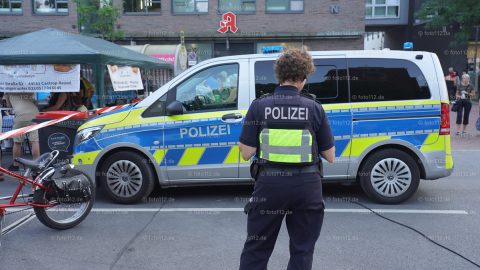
294,65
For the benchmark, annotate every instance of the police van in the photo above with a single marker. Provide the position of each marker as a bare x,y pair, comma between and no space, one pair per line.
388,111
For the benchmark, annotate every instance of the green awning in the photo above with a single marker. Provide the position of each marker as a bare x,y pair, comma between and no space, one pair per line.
52,46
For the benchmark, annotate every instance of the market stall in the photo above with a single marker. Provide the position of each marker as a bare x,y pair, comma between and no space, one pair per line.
52,46
50,62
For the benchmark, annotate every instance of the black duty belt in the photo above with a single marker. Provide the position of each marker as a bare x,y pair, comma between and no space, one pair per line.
286,171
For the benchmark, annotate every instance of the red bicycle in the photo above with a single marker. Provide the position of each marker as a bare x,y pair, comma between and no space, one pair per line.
61,196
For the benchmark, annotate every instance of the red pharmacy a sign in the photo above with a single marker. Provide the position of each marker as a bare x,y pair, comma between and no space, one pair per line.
228,22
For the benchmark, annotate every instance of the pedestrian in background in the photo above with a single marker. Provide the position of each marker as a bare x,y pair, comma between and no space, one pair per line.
1,131
72,101
25,110
464,94
452,81
87,90
287,132
478,120
59,102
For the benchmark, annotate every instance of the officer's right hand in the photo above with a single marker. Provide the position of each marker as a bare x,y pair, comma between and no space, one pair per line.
329,154
246,151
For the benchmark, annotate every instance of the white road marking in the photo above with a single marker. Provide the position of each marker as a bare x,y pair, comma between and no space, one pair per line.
231,209
328,210
400,211
28,218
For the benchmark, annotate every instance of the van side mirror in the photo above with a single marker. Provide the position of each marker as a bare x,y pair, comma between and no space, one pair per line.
175,108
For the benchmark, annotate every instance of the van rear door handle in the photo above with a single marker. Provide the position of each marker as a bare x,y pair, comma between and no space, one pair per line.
232,117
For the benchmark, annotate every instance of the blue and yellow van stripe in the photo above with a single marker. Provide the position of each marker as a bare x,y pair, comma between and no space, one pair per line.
372,124
197,156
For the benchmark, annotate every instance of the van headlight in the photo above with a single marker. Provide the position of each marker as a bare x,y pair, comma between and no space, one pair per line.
88,133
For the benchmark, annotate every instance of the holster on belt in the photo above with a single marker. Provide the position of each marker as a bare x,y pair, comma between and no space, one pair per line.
320,168
254,169
247,207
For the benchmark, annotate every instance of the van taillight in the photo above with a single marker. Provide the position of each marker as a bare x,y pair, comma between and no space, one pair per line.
445,119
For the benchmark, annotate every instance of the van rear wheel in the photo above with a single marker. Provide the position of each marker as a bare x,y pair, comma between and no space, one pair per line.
389,176
127,177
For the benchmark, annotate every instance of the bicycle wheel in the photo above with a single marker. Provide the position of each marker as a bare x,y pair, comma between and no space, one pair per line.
62,216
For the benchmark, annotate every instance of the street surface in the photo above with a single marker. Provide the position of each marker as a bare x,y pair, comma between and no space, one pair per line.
205,228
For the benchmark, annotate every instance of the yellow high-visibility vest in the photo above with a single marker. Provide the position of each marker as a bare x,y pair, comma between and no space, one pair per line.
292,146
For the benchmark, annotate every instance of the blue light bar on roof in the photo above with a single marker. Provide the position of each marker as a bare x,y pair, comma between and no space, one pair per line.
408,46
272,49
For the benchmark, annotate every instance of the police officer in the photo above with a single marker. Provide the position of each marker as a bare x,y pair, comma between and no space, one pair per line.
287,132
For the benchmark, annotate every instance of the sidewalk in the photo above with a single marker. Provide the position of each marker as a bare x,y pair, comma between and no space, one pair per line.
471,141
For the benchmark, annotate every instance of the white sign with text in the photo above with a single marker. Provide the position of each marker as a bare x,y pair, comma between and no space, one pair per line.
125,78
40,78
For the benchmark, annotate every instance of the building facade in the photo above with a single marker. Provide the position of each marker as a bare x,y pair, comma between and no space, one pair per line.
259,25
391,23
23,16
319,24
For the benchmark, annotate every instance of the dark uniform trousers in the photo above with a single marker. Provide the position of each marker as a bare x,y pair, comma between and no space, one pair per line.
299,199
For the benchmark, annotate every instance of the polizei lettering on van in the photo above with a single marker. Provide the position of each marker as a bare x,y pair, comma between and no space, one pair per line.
286,113
205,131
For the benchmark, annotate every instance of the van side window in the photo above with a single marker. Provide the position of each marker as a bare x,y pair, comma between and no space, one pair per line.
386,80
265,81
157,108
328,84
214,88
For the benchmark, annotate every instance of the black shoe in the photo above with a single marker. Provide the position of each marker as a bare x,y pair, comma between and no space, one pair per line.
13,168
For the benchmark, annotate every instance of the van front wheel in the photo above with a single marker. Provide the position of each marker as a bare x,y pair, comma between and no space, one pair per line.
127,177
389,176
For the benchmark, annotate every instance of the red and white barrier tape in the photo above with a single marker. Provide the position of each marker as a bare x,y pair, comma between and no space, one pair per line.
109,109
20,131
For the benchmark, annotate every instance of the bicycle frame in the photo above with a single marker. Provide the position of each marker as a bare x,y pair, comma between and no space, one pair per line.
12,199
43,186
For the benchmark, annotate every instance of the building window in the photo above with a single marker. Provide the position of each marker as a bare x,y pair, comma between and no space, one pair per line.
50,6
382,9
284,6
10,6
240,6
138,6
190,6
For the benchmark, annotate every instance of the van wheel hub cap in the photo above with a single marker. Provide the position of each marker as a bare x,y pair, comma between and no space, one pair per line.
391,177
124,178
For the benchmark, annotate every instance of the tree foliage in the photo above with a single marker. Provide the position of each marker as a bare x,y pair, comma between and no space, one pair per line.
439,13
99,18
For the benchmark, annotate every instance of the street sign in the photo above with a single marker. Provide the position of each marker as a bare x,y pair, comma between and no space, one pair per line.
192,58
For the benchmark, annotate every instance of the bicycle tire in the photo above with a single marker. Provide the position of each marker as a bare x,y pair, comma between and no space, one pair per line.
44,218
